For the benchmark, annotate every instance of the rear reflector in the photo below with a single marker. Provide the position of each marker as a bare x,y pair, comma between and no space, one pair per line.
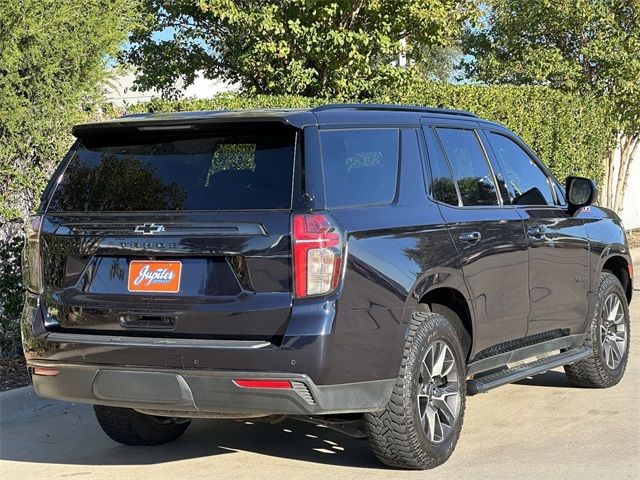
263,383
45,372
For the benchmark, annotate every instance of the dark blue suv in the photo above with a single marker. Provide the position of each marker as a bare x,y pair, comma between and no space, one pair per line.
362,266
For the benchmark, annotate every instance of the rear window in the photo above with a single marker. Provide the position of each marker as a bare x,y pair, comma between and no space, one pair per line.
360,166
230,172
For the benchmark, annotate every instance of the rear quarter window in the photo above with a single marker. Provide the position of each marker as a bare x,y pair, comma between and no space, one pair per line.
360,166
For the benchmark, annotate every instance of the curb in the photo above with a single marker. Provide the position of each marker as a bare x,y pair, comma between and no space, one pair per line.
635,259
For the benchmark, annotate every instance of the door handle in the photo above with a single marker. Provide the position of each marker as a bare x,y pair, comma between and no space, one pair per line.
470,237
537,231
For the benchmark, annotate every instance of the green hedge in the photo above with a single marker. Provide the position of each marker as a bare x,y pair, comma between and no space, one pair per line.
570,133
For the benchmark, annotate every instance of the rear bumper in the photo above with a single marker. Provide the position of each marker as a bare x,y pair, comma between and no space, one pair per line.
193,393
363,346
329,373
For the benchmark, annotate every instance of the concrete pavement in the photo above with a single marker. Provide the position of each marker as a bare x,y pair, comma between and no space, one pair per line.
539,428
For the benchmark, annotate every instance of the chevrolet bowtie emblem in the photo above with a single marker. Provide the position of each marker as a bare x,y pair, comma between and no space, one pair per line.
149,229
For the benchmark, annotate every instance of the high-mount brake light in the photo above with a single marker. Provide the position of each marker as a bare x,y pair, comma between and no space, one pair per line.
31,261
317,254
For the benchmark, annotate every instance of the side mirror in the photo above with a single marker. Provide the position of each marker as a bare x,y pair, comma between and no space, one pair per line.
580,193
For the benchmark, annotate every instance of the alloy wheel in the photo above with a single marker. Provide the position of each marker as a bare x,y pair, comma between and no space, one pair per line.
438,392
613,331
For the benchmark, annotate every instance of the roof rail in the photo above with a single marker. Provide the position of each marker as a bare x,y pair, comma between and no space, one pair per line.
392,108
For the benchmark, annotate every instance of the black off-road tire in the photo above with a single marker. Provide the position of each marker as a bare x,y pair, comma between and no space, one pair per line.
395,433
593,371
129,427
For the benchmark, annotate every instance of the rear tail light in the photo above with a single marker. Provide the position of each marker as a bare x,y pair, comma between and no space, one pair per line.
317,254
31,264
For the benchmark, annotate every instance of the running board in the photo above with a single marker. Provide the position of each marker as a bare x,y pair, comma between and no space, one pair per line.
487,382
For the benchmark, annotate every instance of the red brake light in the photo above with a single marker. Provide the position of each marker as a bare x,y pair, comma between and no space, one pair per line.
317,254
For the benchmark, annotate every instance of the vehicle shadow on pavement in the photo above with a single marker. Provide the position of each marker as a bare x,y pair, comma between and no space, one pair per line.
46,431
549,379
69,434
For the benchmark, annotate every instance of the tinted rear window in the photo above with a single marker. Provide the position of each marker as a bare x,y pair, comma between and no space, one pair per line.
360,166
237,172
443,187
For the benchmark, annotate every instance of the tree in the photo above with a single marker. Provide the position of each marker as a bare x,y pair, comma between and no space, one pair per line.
343,48
573,45
53,57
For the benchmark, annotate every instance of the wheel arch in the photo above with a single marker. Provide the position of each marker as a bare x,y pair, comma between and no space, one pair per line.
620,266
453,304
444,287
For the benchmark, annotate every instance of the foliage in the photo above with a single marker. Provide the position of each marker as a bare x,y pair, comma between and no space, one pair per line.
568,131
53,56
438,63
340,48
581,46
52,66
584,46
11,295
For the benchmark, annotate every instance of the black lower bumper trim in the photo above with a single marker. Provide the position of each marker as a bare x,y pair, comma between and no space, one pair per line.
206,393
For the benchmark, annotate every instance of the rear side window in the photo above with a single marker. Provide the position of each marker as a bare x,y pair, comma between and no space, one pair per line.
527,183
360,166
469,165
443,187
144,173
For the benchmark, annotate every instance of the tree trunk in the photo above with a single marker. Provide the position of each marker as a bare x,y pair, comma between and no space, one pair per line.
605,188
610,185
628,148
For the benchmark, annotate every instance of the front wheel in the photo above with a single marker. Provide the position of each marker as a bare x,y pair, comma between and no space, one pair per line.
608,337
420,426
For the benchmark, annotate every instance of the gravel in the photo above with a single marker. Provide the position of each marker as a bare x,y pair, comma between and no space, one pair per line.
13,373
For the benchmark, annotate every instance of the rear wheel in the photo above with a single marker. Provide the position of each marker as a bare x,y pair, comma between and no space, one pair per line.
608,337
420,426
127,426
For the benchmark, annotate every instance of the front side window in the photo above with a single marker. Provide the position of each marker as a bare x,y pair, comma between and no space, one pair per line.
360,166
560,194
469,165
526,182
